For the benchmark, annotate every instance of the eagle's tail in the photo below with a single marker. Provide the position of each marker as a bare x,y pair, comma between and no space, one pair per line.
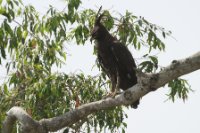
135,104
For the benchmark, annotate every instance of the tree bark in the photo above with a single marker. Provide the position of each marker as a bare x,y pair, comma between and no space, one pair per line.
146,82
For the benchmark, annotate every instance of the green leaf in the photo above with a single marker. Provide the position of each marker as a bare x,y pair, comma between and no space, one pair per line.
5,89
135,42
147,66
11,13
3,53
19,33
163,33
138,30
124,124
123,131
139,45
140,22
154,59
150,37
8,28
109,22
16,2
2,9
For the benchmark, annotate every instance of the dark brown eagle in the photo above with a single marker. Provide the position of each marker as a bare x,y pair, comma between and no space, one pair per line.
115,59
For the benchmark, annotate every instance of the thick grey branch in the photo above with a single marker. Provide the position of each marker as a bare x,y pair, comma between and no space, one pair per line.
178,68
28,124
144,86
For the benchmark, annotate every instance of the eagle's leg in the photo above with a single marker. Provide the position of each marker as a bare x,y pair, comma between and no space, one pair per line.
115,89
112,92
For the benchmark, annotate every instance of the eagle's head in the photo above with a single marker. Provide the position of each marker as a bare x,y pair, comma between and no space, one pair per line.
98,31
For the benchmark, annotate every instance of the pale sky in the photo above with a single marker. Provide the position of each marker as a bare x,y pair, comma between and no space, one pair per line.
153,115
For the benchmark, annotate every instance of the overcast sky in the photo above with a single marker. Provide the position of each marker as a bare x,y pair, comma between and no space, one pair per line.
154,115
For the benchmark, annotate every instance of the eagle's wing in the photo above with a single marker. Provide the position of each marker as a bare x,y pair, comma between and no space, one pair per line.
126,67
123,58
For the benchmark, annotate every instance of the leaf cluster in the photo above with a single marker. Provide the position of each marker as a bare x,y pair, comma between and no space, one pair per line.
179,88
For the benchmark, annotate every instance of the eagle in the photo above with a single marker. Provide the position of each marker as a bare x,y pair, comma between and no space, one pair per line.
115,59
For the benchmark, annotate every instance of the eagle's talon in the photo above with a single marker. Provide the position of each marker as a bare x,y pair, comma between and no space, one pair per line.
113,94
107,96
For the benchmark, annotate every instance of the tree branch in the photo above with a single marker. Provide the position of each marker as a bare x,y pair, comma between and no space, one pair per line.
28,124
145,84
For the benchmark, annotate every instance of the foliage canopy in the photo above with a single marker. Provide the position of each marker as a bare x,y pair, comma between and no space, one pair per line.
31,44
